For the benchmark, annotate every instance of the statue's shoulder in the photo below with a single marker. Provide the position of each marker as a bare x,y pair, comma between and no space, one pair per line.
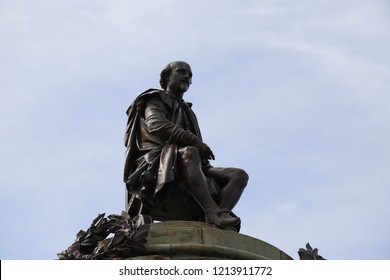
150,92
140,100
158,95
153,94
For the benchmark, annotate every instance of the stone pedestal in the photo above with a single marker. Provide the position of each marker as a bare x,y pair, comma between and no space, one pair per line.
185,240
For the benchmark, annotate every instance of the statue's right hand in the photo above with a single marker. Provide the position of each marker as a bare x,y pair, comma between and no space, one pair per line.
205,151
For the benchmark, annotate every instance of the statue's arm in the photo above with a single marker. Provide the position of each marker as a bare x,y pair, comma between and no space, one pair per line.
165,130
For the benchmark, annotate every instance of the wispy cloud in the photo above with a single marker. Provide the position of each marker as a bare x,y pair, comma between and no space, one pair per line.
296,90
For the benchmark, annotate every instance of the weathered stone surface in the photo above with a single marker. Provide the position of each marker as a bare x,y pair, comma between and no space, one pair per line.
197,240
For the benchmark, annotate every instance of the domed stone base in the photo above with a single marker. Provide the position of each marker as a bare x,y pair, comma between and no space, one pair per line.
185,240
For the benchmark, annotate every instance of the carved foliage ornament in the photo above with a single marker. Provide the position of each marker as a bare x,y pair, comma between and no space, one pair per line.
96,243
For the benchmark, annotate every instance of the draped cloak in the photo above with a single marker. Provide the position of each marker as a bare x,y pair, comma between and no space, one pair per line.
152,143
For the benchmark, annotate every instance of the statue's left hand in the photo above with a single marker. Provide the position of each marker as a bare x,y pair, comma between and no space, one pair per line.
205,151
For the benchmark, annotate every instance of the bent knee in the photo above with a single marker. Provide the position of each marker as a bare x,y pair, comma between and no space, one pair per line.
238,176
241,177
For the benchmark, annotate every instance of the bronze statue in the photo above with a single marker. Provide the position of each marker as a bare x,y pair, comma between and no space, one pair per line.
167,171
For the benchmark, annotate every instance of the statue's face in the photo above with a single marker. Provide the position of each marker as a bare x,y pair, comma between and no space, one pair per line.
180,77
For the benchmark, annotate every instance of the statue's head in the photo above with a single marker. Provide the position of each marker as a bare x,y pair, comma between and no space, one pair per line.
181,67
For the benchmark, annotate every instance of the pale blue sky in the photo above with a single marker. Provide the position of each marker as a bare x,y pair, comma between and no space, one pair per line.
294,92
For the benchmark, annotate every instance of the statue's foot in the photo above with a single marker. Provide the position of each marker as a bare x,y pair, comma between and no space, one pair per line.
221,218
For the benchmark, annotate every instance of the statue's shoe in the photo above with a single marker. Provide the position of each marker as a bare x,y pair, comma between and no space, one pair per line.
221,218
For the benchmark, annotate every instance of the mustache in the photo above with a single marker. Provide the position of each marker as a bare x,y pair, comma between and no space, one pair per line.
188,81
